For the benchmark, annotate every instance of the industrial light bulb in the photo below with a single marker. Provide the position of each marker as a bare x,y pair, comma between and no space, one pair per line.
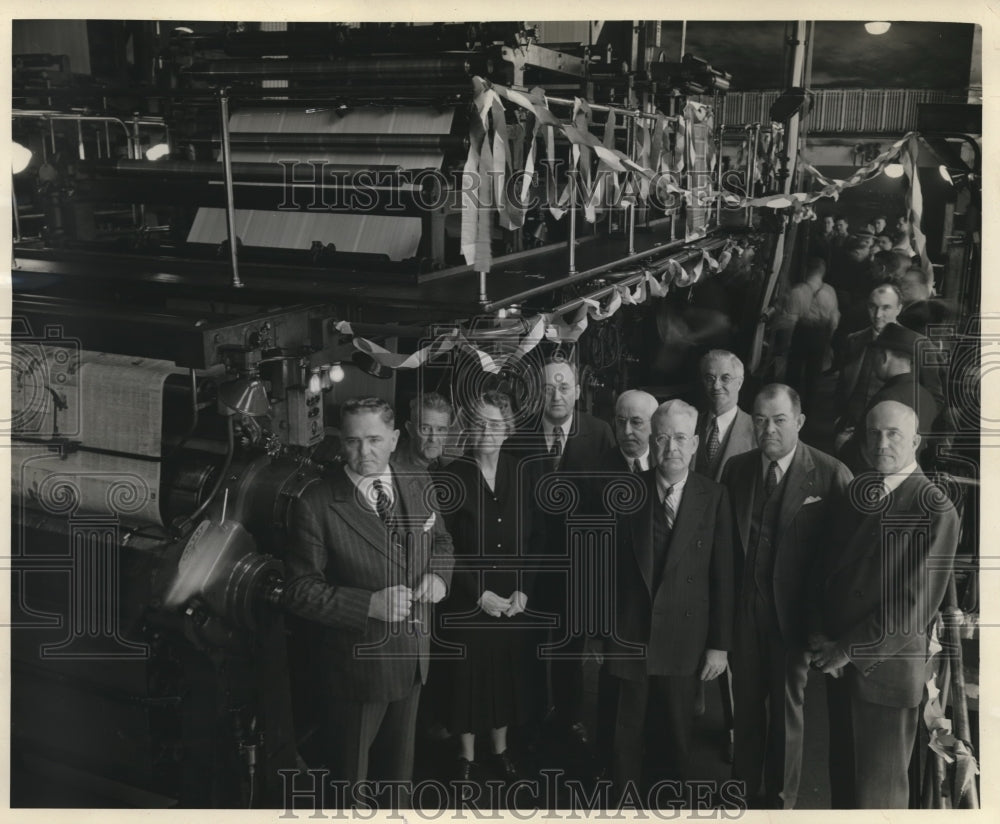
893,170
157,151
315,384
20,157
877,27
336,373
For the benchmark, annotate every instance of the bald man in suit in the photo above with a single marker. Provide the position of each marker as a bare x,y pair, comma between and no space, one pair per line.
885,573
367,559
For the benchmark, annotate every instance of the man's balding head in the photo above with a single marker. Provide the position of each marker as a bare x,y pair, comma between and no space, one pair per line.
633,411
891,438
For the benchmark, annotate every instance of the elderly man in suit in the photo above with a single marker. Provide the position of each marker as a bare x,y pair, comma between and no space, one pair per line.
724,429
367,559
885,573
566,440
781,493
675,596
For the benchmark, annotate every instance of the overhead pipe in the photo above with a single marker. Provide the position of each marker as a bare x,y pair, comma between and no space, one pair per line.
383,68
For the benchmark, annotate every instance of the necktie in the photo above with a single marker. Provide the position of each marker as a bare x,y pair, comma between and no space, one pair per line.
383,503
771,481
668,508
883,490
636,466
713,439
557,445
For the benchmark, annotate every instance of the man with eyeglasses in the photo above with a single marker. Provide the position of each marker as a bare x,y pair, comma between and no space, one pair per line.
429,430
675,599
724,429
566,440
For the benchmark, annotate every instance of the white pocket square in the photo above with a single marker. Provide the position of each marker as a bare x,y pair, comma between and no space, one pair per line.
430,522
811,500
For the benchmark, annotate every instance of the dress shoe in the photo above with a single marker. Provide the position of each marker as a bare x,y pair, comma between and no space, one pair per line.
577,733
505,765
463,769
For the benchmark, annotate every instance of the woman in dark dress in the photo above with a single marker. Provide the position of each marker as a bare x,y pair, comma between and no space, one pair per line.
489,594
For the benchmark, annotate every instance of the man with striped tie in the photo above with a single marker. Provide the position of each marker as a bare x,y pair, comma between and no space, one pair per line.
675,596
368,558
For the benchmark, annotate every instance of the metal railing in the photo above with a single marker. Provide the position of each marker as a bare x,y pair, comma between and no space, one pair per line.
886,111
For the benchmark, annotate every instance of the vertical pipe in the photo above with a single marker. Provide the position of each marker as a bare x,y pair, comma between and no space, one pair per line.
684,34
230,202
797,79
17,217
52,135
483,299
79,139
572,221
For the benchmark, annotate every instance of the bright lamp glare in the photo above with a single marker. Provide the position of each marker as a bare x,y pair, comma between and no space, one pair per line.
157,151
944,173
20,157
315,384
336,373
877,27
893,170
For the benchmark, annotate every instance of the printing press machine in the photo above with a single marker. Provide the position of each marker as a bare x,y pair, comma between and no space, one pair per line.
178,351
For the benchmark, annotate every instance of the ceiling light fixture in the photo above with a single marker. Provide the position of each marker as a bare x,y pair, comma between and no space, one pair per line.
893,170
877,27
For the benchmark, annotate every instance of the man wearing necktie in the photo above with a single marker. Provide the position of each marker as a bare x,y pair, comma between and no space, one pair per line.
781,493
633,411
675,596
724,430
367,559
429,430
569,441
885,573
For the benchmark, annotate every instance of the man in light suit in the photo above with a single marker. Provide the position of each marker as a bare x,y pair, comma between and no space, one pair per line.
367,559
675,596
885,574
724,429
781,494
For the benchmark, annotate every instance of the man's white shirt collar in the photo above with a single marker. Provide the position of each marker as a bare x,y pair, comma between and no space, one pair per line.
893,481
643,460
363,483
725,421
783,463
566,427
662,484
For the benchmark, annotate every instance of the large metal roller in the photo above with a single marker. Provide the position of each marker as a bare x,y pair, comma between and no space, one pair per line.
354,141
331,173
384,69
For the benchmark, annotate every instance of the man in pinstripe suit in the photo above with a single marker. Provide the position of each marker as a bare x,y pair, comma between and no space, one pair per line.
368,558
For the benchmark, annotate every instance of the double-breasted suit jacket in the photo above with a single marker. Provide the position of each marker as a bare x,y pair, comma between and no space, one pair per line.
340,553
690,609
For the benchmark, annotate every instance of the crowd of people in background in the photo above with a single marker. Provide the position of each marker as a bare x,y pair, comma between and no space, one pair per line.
458,580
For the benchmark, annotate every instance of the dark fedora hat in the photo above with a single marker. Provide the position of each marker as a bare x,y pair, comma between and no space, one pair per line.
898,338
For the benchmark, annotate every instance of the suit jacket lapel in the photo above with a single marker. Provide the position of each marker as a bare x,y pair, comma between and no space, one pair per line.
687,520
745,486
642,532
798,486
364,522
